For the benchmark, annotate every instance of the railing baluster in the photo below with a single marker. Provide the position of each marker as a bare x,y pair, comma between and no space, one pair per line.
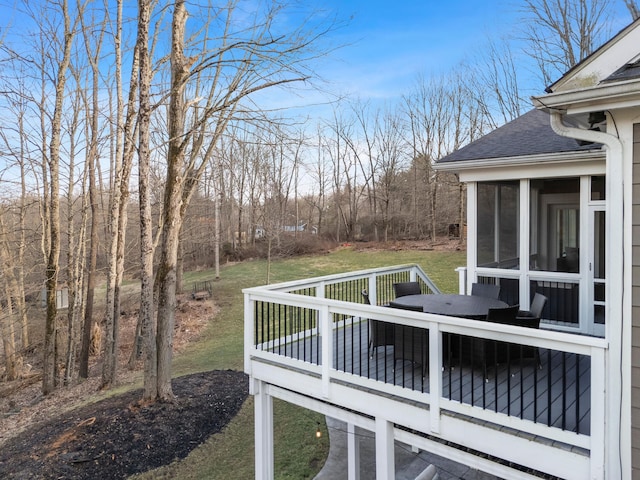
577,395
549,383
278,325
564,391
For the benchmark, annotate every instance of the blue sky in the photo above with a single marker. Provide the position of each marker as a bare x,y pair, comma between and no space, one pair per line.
388,43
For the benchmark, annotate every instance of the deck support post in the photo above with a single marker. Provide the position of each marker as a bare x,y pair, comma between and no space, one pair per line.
353,453
385,460
263,410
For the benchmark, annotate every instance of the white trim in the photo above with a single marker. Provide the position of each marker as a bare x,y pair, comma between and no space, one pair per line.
537,162
353,453
263,428
567,463
472,233
408,438
589,166
614,291
605,96
525,241
421,411
385,451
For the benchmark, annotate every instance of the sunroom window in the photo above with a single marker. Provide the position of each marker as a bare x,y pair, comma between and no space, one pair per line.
498,221
555,225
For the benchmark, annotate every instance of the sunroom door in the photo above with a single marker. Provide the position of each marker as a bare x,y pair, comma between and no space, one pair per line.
596,280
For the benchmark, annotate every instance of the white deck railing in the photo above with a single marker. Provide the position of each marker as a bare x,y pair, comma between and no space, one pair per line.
316,311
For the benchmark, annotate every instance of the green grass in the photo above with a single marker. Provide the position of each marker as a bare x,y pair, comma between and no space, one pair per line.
298,453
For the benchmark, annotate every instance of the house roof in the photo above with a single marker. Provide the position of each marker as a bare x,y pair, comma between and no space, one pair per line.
527,135
606,75
612,56
626,72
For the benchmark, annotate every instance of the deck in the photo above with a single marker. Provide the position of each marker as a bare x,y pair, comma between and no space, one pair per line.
555,392
516,397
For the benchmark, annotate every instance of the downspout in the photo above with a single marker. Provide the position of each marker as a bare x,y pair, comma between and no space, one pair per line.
614,290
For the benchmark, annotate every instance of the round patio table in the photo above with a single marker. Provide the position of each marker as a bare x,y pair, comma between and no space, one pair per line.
467,306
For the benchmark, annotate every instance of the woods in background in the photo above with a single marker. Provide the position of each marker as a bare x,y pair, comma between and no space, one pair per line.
134,142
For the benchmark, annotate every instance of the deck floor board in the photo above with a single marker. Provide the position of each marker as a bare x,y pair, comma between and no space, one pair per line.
523,389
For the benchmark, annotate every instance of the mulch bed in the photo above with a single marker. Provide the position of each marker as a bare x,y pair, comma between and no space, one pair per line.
116,437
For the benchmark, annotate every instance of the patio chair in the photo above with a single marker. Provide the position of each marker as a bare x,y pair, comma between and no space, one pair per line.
381,333
491,352
535,312
411,343
406,288
485,290
531,319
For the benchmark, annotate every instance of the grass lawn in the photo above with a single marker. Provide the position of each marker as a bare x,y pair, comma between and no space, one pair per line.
298,453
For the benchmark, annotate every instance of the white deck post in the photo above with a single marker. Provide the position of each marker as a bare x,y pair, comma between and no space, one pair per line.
353,453
373,289
263,411
462,280
385,460
435,377
326,332
598,414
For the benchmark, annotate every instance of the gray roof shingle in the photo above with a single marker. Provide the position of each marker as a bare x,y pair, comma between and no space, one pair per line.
529,134
626,72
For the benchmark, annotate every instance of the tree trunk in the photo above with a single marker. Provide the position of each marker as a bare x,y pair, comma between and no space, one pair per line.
125,148
633,8
172,206
49,374
146,320
180,267
91,275
13,362
92,156
12,370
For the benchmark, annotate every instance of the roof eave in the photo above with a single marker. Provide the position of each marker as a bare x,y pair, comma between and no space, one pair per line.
603,97
521,161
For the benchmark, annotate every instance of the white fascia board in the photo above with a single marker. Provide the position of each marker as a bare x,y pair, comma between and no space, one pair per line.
600,97
535,166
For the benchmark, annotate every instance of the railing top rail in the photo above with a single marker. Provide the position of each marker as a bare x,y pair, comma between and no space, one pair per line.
334,278
569,341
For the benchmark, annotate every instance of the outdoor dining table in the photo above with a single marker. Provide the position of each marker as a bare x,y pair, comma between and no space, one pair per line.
473,307
466,306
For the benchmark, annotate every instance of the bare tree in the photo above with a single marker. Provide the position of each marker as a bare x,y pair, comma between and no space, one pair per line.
363,146
561,33
392,158
13,360
242,63
348,186
75,234
52,171
118,202
633,8
321,179
148,328
16,146
493,83
93,49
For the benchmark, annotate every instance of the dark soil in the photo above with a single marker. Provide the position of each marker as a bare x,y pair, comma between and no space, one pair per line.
117,437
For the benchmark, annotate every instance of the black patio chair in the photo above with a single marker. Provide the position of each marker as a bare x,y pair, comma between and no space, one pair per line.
491,352
381,333
411,343
402,289
485,290
535,312
530,319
